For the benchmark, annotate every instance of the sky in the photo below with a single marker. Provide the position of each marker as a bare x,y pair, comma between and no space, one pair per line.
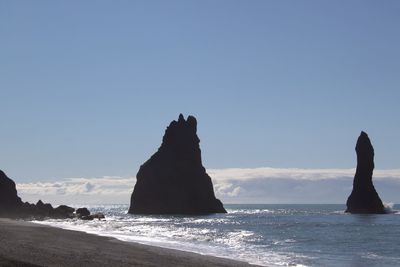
88,88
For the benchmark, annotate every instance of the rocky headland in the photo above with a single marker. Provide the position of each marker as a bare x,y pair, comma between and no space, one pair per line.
173,180
11,206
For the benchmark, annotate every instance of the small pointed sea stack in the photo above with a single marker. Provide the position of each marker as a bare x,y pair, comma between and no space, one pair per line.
364,199
173,180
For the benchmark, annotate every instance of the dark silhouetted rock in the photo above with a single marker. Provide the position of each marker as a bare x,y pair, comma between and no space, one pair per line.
93,216
28,206
9,199
63,211
82,212
44,210
98,215
11,205
364,198
173,180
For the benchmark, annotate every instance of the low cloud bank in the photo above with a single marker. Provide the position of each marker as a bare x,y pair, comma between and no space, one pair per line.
234,185
104,190
291,185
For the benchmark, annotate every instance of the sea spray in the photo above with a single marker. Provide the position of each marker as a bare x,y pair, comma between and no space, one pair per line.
389,207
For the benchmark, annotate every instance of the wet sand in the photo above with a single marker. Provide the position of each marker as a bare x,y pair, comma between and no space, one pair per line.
29,244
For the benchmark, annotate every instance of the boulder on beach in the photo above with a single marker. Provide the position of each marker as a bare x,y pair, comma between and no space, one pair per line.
43,209
91,217
82,212
364,199
63,211
173,180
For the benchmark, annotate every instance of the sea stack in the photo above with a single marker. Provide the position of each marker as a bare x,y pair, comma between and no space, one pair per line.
173,180
364,199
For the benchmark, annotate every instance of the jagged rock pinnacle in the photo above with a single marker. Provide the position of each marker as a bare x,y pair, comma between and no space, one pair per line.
173,180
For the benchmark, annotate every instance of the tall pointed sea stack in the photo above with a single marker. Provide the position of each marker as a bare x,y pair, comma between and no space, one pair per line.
173,180
364,198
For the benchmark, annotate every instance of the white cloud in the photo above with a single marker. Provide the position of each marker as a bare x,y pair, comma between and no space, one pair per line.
79,190
226,189
292,173
234,185
291,185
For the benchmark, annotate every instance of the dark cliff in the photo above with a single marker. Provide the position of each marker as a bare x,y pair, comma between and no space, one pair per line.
173,180
8,194
11,205
364,198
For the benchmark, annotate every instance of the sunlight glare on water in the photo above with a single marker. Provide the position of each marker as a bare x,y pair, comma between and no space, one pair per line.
269,235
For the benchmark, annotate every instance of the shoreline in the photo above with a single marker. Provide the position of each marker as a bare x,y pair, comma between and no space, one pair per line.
32,244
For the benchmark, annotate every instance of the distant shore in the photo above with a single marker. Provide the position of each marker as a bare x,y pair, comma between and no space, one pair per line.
29,244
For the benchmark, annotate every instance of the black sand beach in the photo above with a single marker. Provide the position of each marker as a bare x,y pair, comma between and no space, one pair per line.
29,244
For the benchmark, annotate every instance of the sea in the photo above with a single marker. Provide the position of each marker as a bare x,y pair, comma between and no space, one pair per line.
267,235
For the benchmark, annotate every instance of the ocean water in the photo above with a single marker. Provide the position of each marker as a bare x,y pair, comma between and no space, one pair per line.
268,235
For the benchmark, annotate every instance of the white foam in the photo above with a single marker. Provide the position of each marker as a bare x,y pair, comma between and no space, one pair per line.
247,211
163,233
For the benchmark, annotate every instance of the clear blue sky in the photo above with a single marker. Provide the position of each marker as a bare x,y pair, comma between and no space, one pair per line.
88,87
